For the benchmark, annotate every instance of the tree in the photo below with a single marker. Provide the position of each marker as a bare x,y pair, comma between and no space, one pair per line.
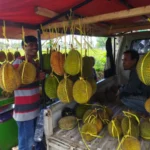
101,42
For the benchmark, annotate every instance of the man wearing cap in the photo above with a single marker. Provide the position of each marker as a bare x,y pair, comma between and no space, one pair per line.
27,99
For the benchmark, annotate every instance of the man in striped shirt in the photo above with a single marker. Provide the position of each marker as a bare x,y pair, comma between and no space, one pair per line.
27,99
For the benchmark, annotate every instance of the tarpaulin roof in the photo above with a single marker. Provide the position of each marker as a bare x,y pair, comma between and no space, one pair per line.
32,13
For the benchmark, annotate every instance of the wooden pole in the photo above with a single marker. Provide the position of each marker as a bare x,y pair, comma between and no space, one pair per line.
105,17
47,13
130,27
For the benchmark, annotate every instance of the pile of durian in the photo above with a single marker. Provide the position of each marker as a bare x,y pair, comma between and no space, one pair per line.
91,118
128,129
94,119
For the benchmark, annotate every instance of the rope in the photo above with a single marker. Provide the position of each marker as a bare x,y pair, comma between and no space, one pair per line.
4,30
23,36
65,78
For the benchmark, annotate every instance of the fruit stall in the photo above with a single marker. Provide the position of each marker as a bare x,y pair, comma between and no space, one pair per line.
70,79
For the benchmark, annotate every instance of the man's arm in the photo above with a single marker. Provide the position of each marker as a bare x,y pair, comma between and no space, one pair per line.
132,86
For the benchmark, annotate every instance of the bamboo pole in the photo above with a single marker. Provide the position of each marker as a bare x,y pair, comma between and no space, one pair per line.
105,17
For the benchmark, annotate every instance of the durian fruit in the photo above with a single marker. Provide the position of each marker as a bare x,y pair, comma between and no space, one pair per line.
145,130
46,62
114,128
133,114
109,111
130,143
92,60
10,78
143,69
17,54
72,63
89,115
64,90
7,94
119,117
103,116
28,72
80,110
89,131
99,124
51,84
67,122
147,105
87,67
10,56
2,56
82,91
57,60
94,85
130,127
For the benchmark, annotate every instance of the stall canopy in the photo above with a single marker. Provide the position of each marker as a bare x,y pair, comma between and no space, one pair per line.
100,17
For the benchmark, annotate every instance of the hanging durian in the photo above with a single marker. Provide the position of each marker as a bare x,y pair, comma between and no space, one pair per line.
51,84
143,68
64,90
17,54
27,71
46,61
72,64
2,56
57,60
10,78
87,67
82,91
10,56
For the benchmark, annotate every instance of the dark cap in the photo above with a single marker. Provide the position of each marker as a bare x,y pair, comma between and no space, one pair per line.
28,39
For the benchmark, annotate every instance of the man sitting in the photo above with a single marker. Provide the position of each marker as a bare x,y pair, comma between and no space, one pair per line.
134,93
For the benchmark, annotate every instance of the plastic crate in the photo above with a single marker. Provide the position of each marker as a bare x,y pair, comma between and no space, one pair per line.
6,101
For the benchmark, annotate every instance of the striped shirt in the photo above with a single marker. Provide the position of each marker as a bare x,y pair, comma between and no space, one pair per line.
27,98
